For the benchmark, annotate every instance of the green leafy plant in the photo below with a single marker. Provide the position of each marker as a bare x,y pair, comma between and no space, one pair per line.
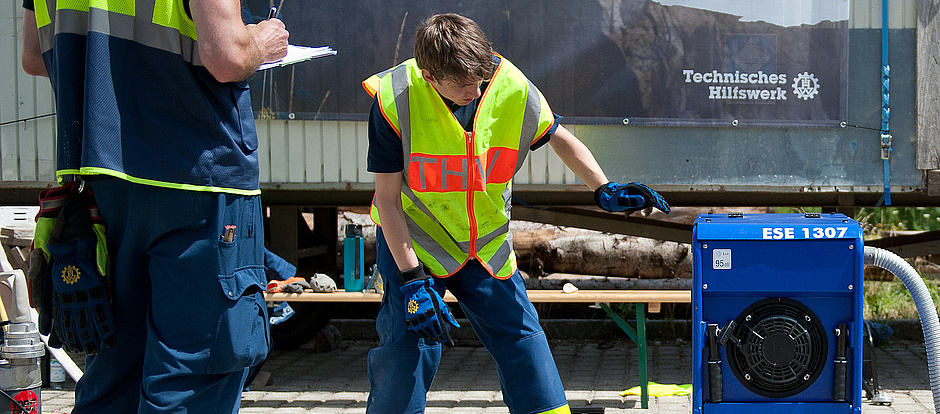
879,220
891,300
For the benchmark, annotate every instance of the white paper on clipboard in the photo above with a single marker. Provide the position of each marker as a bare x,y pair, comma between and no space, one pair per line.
299,54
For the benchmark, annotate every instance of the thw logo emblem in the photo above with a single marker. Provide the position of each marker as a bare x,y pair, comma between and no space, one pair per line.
71,274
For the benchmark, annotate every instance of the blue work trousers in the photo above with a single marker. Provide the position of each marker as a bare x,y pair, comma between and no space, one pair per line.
402,368
188,306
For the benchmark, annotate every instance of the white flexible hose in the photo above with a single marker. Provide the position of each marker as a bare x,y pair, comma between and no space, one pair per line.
925,308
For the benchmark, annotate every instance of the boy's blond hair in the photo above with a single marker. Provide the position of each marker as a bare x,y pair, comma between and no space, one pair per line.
451,46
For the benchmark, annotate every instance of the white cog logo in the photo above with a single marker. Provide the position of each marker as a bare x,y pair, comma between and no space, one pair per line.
805,86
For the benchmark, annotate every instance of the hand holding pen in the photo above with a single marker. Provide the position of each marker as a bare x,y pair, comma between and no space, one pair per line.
270,36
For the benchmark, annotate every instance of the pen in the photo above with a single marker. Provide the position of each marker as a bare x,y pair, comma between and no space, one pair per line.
228,235
274,10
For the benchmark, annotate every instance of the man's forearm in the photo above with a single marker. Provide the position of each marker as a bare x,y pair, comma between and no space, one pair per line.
32,53
394,226
398,238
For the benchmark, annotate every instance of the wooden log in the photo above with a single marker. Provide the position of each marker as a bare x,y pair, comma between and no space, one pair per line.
545,249
603,254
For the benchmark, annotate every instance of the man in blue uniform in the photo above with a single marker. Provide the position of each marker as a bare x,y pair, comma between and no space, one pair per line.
154,115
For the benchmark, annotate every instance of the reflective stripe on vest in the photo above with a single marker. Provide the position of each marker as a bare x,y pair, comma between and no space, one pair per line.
457,186
160,24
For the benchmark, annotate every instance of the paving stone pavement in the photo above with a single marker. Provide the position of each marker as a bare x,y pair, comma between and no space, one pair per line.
594,374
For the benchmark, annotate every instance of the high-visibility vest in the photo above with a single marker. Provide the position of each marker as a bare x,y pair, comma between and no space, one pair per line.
134,101
457,185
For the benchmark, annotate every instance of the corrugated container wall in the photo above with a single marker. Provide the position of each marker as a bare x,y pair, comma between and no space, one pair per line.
27,122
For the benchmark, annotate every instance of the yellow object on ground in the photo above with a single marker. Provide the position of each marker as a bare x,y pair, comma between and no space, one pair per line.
661,390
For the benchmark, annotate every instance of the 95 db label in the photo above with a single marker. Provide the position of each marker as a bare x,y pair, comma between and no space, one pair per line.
721,259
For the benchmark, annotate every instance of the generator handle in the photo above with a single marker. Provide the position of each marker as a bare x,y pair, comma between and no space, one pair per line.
714,363
840,364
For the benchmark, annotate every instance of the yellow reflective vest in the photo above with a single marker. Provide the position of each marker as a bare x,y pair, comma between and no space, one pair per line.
457,185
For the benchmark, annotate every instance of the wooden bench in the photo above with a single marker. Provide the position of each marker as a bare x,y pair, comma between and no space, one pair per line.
644,300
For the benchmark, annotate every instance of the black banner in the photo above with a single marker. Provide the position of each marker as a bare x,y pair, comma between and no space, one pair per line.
640,62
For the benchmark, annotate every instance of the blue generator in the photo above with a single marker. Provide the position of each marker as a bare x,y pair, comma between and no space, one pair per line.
777,311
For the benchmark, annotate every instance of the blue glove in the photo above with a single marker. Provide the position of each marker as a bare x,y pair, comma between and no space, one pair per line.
75,279
424,308
630,197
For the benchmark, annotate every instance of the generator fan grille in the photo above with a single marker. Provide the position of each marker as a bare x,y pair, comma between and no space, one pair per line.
782,348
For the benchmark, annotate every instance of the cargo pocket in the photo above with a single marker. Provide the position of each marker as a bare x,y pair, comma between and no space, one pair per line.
242,336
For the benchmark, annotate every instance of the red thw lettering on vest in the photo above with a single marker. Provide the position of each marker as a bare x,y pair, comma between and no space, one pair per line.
447,173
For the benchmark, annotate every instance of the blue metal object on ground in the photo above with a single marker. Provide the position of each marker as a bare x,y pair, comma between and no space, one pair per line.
777,312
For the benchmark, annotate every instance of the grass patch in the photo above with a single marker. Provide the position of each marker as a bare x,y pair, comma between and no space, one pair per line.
886,300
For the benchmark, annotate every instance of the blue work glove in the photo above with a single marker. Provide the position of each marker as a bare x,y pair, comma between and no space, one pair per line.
629,197
74,283
426,314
